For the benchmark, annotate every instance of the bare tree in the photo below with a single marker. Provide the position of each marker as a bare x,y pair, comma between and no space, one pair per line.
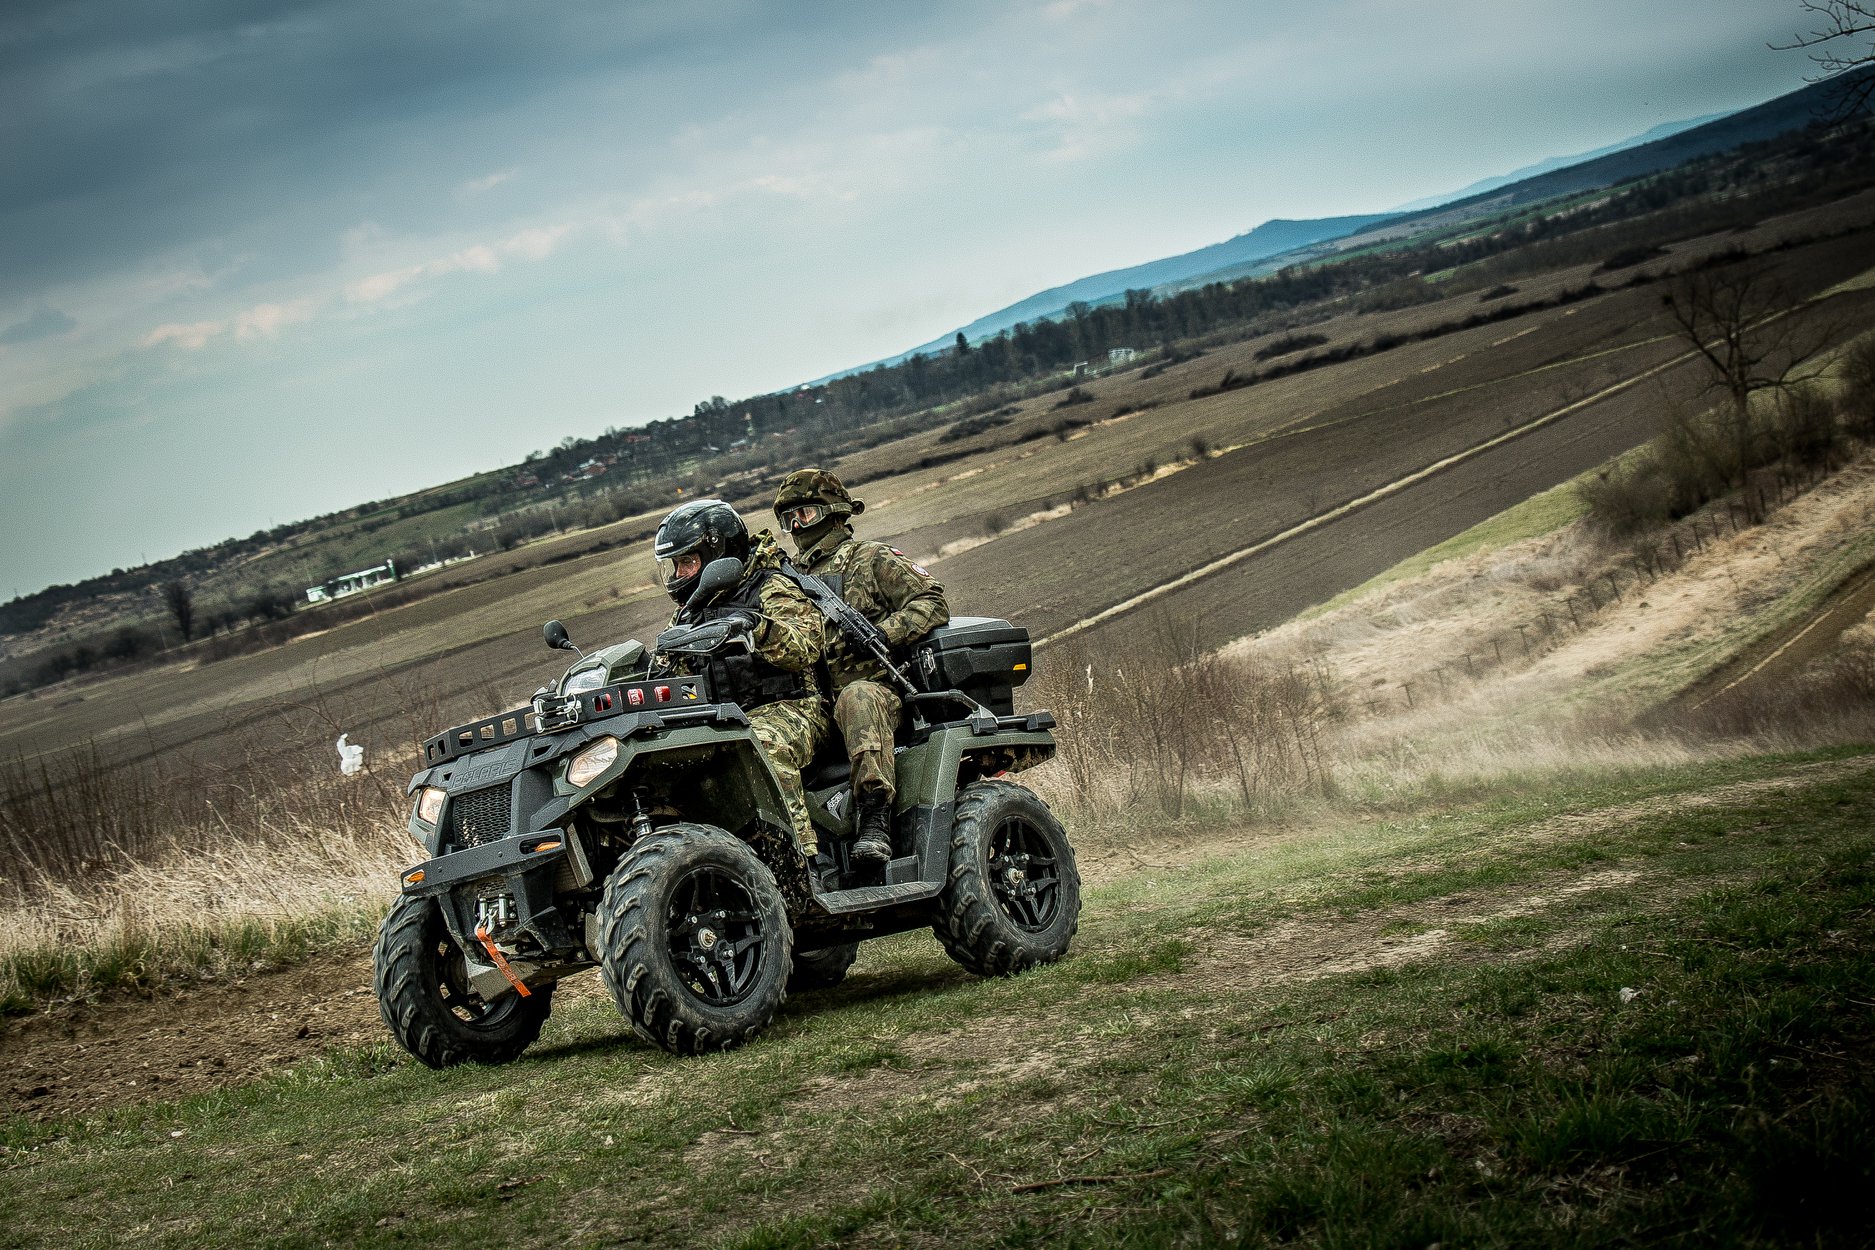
1842,43
181,605
1749,330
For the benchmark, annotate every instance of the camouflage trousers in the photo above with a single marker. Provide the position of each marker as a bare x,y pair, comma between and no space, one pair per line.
788,732
867,713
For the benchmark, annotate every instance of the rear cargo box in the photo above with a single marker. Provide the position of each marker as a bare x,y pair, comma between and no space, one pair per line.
979,655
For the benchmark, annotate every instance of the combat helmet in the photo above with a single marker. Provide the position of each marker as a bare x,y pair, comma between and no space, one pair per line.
808,487
708,527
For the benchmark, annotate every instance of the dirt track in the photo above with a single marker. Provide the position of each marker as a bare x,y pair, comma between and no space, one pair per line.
1792,648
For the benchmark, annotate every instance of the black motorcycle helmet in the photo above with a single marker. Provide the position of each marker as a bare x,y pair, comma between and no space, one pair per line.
710,529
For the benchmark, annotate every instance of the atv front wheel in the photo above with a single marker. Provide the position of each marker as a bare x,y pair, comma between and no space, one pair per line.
1013,899
694,940
426,1000
821,969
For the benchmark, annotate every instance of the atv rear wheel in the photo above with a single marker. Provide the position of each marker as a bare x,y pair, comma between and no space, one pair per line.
694,940
427,1002
821,969
1013,899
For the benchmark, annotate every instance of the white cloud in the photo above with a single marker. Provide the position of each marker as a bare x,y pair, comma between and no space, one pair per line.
535,243
263,321
192,336
802,186
1087,124
1062,10
476,186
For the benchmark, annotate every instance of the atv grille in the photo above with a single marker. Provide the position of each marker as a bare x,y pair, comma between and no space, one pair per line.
479,816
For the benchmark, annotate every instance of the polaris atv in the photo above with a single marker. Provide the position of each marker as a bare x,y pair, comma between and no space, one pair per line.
629,821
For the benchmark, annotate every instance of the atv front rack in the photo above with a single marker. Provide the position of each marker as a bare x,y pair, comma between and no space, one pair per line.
555,713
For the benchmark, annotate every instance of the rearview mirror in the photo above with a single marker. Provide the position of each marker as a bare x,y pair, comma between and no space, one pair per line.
717,576
556,636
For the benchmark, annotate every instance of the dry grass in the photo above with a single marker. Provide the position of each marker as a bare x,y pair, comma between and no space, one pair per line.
126,877
1589,699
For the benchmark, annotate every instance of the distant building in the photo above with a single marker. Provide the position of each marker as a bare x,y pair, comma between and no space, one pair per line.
352,583
1120,355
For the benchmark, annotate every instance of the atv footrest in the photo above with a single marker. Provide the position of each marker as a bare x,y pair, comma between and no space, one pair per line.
868,897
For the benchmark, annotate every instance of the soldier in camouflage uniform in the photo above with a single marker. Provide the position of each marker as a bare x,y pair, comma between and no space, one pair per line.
892,592
775,682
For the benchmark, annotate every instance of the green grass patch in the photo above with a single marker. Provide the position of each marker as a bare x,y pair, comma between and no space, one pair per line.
1680,1058
1543,513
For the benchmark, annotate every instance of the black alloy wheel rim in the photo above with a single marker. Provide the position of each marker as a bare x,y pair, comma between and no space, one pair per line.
459,998
717,940
1024,874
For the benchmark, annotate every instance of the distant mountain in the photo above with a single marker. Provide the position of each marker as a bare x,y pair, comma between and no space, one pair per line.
1665,130
1788,112
1272,238
1280,242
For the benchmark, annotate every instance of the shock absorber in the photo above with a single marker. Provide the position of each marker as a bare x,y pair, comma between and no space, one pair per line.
641,819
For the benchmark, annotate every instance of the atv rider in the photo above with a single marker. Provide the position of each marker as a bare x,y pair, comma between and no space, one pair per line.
884,585
774,680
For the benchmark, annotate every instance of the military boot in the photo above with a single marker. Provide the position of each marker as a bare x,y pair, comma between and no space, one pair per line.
874,843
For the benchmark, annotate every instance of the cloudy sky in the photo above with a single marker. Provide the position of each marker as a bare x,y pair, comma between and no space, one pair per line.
258,262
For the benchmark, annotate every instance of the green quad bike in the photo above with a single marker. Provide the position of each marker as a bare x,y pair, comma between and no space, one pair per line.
630,822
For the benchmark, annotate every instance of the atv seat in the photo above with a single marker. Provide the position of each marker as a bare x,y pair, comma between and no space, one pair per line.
830,766
819,774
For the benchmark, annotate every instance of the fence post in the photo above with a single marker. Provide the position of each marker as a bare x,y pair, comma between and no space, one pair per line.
1613,585
1497,650
1408,687
1570,603
1525,637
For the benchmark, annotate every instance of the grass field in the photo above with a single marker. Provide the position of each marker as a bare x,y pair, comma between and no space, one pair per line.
1622,1008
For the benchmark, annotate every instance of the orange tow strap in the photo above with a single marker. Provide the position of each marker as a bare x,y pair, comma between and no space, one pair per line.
501,962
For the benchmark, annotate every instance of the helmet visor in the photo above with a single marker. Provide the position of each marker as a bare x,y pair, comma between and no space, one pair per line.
803,516
673,570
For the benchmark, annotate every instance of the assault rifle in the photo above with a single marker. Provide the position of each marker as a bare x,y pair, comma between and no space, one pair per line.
859,631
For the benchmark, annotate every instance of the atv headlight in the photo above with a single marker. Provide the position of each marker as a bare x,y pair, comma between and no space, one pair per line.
593,759
430,804
584,680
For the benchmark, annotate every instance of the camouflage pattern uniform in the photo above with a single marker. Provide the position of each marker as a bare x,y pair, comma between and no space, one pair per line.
888,589
789,635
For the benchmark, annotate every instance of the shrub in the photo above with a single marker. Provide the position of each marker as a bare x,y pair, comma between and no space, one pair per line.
1858,390
1803,427
1290,343
969,427
1627,499
1628,257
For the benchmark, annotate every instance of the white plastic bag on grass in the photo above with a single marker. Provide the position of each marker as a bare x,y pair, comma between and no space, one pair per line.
351,758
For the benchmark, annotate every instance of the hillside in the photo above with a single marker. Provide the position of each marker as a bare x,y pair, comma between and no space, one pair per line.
244,591
1792,111
1272,238
1279,241
1519,973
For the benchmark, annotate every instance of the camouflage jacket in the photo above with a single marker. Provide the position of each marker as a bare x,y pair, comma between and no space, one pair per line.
887,588
791,632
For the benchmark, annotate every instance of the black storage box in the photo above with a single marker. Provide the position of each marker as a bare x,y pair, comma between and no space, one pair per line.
984,657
